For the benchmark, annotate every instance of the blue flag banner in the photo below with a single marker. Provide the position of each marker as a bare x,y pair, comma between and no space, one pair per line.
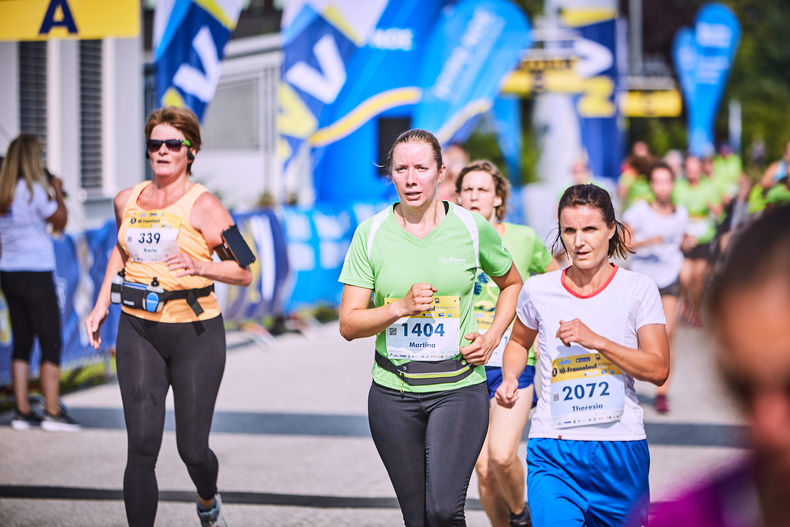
189,39
320,37
348,134
684,56
597,104
507,125
717,35
472,47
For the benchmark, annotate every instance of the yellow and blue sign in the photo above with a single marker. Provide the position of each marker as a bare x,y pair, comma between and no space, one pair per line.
188,52
68,19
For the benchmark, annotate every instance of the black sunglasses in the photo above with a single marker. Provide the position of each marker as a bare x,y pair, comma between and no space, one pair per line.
174,145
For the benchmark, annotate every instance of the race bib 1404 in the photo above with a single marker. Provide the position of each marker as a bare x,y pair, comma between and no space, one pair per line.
152,236
585,389
430,336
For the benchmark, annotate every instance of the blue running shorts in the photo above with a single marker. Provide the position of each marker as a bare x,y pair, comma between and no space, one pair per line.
494,378
588,483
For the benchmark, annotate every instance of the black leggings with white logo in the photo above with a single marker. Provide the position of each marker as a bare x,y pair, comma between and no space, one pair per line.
429,443
151,357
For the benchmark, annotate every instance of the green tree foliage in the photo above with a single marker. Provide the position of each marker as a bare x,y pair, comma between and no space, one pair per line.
760,77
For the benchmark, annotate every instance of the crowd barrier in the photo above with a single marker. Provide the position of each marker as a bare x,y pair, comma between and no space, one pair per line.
299,254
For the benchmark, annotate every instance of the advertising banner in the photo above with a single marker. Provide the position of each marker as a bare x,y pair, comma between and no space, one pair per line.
319,39
703,59
189,39
384,92
69,19
597,105
473,46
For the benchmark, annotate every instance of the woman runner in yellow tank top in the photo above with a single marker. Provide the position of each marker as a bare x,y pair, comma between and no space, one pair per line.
168,229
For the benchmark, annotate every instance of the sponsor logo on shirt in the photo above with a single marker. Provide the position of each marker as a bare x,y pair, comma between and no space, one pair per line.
450,260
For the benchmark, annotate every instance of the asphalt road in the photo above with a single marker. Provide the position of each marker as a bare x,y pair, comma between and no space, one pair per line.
292,439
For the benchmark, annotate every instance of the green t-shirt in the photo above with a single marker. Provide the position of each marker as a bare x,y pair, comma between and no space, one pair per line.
386,259
636,189
697,200
726,172
530,257
776,196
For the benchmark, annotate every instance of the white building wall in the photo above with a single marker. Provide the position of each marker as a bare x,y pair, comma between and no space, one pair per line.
9,96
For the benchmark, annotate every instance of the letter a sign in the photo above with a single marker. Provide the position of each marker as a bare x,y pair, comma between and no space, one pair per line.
69,19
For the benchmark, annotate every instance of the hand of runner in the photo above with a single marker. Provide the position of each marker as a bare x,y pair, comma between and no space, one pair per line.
92,325
577,332
418,300
507,393
184,262
688,243
479,350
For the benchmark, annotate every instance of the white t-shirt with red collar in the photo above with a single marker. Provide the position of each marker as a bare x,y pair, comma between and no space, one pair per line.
584,396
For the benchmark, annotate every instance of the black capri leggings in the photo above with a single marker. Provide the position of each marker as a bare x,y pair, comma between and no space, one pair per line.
33,310
151,357
429,444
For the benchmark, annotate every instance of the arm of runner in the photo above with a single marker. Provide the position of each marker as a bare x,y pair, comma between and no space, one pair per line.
514,361
210,218
358,321
649,362
116,262
481,346
767,181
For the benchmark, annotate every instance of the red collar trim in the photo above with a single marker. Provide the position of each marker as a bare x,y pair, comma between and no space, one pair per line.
577,295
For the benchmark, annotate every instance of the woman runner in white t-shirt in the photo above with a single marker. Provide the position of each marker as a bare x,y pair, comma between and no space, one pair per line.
482,188
600,328
658,235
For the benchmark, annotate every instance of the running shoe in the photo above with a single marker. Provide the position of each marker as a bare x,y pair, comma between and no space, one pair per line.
62,422
662,404
212,517
521,520
25,421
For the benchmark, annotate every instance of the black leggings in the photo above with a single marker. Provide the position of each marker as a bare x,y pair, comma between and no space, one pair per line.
33,310
429,444
151,357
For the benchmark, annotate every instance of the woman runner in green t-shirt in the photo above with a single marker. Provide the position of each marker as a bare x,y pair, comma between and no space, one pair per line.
428,404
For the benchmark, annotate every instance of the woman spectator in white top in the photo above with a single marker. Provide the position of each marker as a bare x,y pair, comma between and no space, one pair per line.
657,237
29,199
600,328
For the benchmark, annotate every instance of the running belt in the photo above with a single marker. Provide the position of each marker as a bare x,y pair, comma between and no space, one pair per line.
423,373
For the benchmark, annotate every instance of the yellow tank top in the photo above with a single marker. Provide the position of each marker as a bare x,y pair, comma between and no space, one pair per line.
149,236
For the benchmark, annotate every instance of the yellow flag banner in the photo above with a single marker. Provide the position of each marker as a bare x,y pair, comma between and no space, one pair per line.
69,19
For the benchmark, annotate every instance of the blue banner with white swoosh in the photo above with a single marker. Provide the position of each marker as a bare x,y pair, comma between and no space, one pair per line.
473,46
189,39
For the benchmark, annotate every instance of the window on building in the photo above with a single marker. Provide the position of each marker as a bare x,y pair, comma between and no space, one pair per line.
91,114
231,119
33,89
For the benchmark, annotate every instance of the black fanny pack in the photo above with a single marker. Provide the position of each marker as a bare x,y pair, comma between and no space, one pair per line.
422,373
152,298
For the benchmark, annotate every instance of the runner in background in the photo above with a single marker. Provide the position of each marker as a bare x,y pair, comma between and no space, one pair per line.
632,185
657,234
455,159
482,188
700,198
428,403
749,309
600,327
